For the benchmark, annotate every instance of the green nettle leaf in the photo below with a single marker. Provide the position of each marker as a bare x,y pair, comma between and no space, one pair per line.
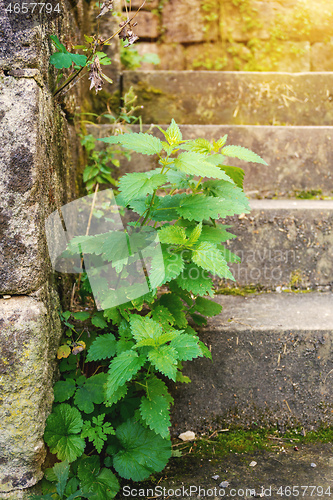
176,307
198,207
137,185
207,307
61,60
63,390
195,164
98,320
229,256
166,267
102,348
220,143
122,369
91,392
209,257
162,315
235,173
155,412
117,395
242,153
141,143
201,146
173,134
196,280
218,234
143,451
173,235
187,346
156,387
164,359
195,234
81,315
205,351
96,483
61,432
145,330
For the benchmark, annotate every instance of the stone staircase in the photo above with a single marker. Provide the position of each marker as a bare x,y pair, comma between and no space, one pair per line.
272,357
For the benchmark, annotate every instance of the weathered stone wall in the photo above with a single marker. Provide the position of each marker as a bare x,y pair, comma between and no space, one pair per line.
231,35
38,166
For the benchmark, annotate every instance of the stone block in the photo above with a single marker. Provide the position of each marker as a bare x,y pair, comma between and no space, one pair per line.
322,56
235,98
36,175
288,57
30,332
171,56
184,21
272,365
148,25
284,243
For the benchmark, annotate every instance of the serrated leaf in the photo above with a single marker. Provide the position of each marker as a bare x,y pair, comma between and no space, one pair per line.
143,452
98,320
205,351
91,392
97,483
138,185
156,387
196,280
117,394
207,307
173,134
207,256
145,330
199,207
122,369
64,389
187,347
217,234
164,359
165,267
229,256
221,142
176,307
196,164
201,146
162,315
173,235
102,348
195,234
235,173
141,143
155,412
61,432
242,153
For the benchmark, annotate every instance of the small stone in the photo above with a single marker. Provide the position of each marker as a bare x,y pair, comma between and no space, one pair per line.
215,477
187,436
6,297
252,464
313,465
224,484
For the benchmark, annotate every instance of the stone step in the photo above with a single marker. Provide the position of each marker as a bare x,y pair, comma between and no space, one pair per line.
284,243
236,98
272,365
299,158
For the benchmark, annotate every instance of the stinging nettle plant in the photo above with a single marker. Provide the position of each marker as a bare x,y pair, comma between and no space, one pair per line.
111,415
